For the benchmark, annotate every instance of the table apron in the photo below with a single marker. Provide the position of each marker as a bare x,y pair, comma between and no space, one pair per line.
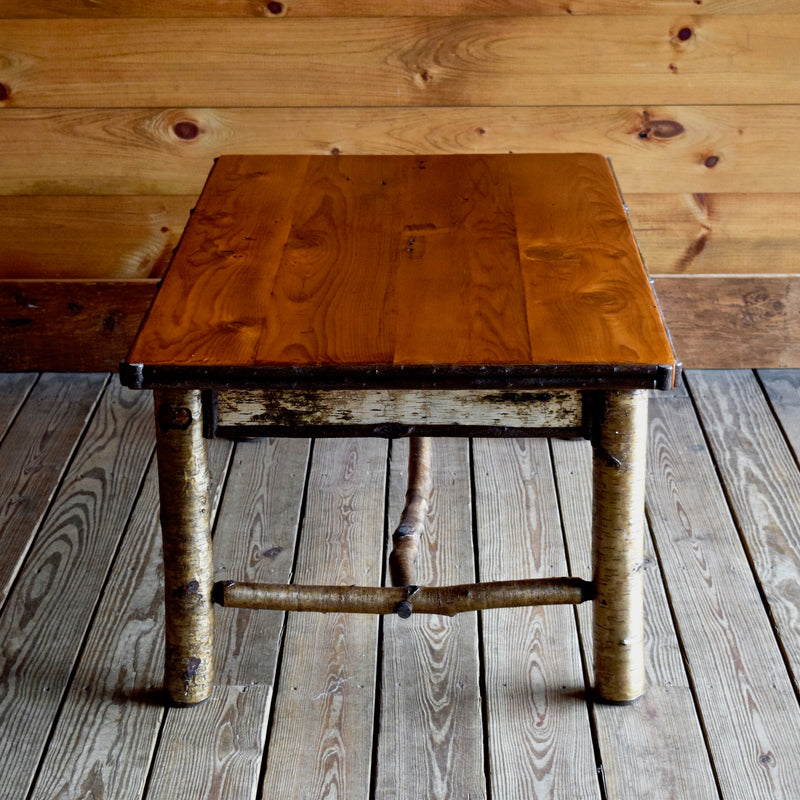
394,413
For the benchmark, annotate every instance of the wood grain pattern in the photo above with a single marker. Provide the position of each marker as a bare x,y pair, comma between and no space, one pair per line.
752,320
70,325
120,236
222,756
14,388
399,61
338,258
585,285
71,554
431,738
117,688
237,234
369,8
655,148
459,243
783,390
256,541
35,453
337,284
760,478
103,741
664,720
750,233
539,742
324,708
742,689
89,237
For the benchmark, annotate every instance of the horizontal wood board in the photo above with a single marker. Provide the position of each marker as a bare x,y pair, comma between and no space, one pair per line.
70,326
682,148
754,315
372,8
453,61
132,236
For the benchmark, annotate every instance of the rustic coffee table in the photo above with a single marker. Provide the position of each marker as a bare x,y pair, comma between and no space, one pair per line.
491,295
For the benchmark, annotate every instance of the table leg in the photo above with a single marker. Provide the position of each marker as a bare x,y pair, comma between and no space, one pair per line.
185,529
620,451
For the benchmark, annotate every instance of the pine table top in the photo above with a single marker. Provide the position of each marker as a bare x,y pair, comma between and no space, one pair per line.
398,271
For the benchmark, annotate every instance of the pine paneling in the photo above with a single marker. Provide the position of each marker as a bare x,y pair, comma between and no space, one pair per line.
111,114
374,8
654,149
399,61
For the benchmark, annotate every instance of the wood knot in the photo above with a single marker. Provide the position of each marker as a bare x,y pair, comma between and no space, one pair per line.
173,418
658,128
186,130
5,92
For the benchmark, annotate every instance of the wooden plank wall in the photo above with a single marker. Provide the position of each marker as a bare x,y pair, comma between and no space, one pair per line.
112,111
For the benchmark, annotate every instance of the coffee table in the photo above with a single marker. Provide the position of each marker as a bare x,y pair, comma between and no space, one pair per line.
457,295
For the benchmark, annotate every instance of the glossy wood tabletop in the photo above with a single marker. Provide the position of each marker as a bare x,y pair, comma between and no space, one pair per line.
392,270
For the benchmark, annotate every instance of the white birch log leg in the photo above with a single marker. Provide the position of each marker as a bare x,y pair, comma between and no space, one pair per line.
620,451
185,529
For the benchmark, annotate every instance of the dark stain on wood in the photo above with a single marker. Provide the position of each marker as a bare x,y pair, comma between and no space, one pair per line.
692,251
523,398
190,589
192,669
761,304
172,418
186,130
659,129
277,412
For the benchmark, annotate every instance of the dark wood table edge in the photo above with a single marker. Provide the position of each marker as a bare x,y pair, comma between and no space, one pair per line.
326,377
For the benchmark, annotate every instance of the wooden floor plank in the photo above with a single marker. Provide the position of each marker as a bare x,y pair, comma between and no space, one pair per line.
255,541
321,740
81,636
115,702
51,605
14,388
540,742
33,457
431,735
746,699
763,487
783,389
654,748
213,750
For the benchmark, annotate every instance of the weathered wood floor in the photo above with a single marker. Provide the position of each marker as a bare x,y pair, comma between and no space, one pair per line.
355,707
